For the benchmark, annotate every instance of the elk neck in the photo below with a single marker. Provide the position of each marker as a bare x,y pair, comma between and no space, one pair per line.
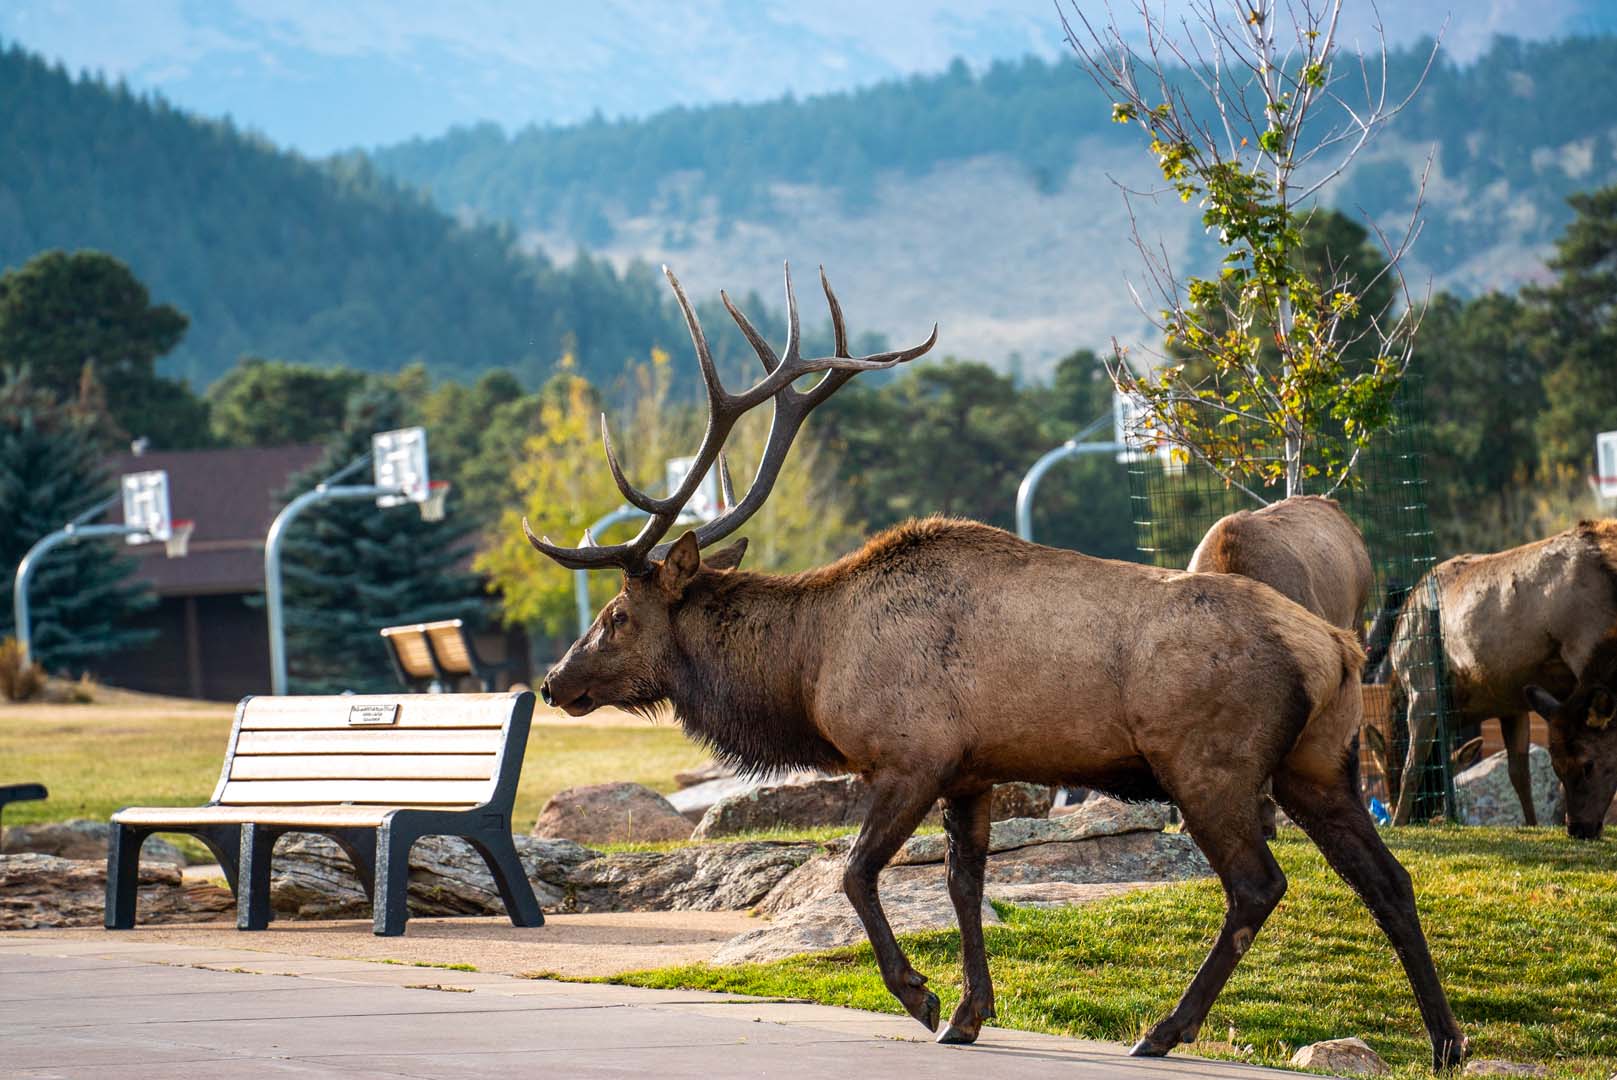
747,651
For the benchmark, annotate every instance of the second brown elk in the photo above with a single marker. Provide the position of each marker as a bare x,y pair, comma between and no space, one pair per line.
946,656
1307,549
1541,615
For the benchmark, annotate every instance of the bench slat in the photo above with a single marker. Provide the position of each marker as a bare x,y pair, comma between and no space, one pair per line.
379,741
414,711
365,767
389,792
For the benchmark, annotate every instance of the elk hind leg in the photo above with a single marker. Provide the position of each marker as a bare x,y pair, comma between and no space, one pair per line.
896,808
1516,732
1422,715
966,821
1230,834
1330,812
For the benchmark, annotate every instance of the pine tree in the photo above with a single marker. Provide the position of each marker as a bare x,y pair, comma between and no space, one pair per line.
351,568
81,598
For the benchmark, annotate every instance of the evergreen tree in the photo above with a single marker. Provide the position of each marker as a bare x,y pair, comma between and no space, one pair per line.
352,568
50,471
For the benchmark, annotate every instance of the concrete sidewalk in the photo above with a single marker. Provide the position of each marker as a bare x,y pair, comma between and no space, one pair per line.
119,1007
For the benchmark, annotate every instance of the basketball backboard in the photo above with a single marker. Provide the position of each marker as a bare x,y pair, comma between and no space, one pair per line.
704,505
399,460
146,507
1606,464
1128,428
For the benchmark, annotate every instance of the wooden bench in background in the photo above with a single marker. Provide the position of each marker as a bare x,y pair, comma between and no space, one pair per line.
374,773
437,656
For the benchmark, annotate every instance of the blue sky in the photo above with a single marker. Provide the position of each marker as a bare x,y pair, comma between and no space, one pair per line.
320,75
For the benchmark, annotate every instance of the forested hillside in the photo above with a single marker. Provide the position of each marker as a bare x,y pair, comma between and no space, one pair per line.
984,199
270,254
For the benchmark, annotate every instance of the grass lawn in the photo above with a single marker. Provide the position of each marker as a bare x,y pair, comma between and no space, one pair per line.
160,752
1523,924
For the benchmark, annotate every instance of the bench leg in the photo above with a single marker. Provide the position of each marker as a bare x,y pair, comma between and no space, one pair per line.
253,888
510,878
391,896
123,875
360,847
224,841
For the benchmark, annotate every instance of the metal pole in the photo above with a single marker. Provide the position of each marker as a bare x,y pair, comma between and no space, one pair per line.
581,578
1030,481
30,562
273,595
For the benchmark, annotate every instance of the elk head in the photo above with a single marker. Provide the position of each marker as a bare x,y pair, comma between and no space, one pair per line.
1583,748
625,656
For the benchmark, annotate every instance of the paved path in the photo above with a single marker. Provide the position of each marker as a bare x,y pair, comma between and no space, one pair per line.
121,1008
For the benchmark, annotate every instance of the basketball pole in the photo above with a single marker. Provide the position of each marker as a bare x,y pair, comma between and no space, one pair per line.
77,529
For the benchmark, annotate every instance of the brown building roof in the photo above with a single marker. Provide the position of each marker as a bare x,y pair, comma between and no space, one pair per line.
230,494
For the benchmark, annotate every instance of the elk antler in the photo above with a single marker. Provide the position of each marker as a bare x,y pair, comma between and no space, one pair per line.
792,407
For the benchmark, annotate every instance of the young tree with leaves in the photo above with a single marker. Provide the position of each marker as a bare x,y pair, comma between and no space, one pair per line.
352,568
1277,373
81,597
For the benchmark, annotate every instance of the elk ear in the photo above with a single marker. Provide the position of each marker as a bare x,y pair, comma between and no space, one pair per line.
1602,709
675,572
1541,702
726,558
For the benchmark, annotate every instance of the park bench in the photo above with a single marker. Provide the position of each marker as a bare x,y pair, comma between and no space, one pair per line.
437,655
374,773
10,793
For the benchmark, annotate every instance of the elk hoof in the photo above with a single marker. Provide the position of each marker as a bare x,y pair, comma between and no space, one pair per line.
1149,1047
1449,1053
928,1010
954,1035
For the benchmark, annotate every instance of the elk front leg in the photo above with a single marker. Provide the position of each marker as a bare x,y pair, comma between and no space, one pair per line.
1516,733
896,808
1226,826
1334,818
966,821
1422,713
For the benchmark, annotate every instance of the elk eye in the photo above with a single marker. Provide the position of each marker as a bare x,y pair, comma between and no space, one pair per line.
619,618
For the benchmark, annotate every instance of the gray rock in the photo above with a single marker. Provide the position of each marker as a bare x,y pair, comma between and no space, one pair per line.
81,838
38,891
830,923
1018,800
1485,797
837,800
713,770
1499,1067
311,878
695,801
1096,817
701,877
1099,860
1340,1057
610,813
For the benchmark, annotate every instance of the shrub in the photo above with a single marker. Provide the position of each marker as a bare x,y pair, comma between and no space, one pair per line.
20,679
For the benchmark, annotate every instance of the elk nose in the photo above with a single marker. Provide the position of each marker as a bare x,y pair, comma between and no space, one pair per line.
545,694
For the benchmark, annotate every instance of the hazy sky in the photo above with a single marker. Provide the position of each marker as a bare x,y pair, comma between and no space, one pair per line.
320,75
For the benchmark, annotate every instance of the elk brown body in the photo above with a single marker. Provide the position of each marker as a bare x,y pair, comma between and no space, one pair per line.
1540,614
947,656
1306,549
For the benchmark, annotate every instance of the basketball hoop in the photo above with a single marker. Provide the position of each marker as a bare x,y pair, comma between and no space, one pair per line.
432,507
178,540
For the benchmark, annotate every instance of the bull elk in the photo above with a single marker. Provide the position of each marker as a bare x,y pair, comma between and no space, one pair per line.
946,656
1542,614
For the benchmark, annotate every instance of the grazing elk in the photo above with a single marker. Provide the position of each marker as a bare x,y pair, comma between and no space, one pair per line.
1306,549
1532,615
946,656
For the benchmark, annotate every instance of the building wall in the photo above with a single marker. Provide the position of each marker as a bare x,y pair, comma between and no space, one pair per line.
210,647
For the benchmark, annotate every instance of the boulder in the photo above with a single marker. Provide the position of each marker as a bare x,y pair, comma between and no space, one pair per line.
1499,1067
835,800
713,770
39,891
81,838
310,877
1098,816
701,877
695,801
1021,800
1340,1057
830,923
1485,797
610,813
